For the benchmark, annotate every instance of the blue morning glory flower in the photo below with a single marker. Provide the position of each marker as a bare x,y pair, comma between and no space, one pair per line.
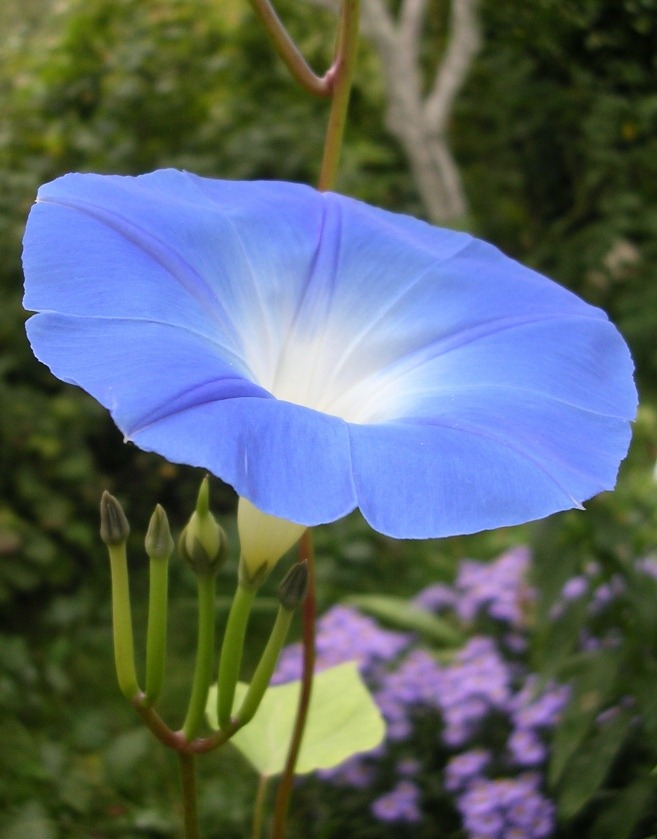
319,354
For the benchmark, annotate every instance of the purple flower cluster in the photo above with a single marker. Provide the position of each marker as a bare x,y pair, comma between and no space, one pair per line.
508,808
465,767
474,684
496,792
599,594
496,588
401,804
343,634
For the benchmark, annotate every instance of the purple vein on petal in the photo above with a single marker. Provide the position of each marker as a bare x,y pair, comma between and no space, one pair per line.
160,252
228,355
203,393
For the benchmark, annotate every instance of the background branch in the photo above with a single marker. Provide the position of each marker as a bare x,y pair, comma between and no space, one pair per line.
418,120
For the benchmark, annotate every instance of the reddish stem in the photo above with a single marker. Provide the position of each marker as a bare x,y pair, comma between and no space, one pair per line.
177,740
284,791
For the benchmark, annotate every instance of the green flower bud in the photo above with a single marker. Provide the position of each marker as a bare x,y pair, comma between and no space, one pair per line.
293,586
202,543
158,541
114,527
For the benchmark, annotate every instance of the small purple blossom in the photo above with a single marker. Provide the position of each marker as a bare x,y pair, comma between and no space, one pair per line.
356,773
401,804
436,598
534,708
525,748
478,681
498,588
515,642
415,683
606,593
574,588
408,766
648,565
343,634
463,767
494,808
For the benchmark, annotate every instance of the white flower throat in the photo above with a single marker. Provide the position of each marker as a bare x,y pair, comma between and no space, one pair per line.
330,371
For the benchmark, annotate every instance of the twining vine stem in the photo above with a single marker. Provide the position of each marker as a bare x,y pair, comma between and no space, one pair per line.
335,83
342,73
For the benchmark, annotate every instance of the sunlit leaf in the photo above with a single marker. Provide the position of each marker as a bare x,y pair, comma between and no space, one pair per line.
342,721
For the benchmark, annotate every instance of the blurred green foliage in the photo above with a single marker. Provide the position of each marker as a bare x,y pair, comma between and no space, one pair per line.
557,139
556,136
605,644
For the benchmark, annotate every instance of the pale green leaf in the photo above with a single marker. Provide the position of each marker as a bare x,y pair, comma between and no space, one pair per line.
342,721
407,616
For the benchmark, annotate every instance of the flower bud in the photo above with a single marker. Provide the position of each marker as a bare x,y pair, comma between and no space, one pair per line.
293,586
202,543
158,541
263,539
114,527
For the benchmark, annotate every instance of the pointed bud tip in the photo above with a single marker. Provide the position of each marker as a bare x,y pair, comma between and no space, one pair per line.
293,586
203,498
159,542
114,527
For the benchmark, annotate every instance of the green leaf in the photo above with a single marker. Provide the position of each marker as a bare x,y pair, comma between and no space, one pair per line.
32,822
592,690
557,639
342,721
626,809
405,615
589,768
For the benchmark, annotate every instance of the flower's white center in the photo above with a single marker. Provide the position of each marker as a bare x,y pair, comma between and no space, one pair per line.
330,372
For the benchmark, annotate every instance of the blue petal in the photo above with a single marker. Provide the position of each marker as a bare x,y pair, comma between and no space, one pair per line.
169,392
319,354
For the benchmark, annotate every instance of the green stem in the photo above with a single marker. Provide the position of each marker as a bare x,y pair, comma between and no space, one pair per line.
284,791
342,73
156,634
266,667
204,655
259,807
124,654
232,647
187,765
288,51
